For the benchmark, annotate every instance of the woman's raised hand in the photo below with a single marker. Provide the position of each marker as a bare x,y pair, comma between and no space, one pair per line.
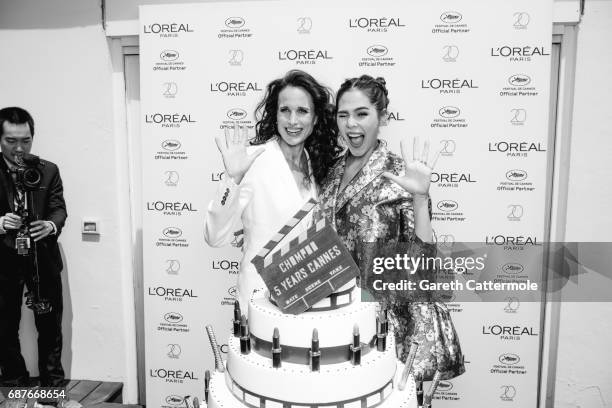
419,167
233,149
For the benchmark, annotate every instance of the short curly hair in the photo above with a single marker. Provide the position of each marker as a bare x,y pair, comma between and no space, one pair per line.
322,145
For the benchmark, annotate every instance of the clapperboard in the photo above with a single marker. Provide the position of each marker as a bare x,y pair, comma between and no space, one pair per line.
307,269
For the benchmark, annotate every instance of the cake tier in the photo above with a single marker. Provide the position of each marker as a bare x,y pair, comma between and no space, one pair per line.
253,375
224,393
335,327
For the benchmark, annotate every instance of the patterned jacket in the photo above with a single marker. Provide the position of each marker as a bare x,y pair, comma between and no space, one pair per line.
374,218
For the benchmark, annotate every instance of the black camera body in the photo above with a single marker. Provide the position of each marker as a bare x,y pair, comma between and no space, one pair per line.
29,175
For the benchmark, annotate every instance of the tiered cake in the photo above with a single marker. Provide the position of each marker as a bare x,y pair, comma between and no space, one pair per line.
273,362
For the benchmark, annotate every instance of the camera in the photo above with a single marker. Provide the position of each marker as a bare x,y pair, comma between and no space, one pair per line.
29,175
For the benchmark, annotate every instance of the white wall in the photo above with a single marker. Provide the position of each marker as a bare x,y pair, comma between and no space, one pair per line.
56,64
584,374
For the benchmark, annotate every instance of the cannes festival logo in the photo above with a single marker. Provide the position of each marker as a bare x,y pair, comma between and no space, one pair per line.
447,205
173,317
171,145
516,175
509,359
519,80
169,55
451,17
236,114
377,50
174,400
172,232
234,22
449,112
513,268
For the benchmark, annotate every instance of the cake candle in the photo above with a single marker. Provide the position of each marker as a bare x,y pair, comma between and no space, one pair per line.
381,333
236,320
245,341
206,385
315,353
356,347
408,366
432,390
276,349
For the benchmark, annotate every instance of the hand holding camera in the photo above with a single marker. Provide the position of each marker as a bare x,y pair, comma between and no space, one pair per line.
11,222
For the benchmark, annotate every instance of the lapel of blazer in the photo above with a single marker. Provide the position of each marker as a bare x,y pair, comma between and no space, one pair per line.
6,184
368,173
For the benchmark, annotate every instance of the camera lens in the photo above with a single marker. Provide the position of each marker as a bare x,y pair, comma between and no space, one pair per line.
31,178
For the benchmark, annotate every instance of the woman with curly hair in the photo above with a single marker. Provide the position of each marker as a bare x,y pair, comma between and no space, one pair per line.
266,183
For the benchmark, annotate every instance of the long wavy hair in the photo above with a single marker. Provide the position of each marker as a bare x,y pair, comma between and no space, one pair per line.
322,144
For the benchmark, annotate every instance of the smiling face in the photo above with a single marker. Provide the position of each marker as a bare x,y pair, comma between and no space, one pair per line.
295,116
358,122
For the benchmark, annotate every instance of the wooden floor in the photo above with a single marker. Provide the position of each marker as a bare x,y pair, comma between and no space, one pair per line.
94,392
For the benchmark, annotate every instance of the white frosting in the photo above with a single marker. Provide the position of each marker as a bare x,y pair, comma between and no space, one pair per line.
221,396
335,327
295,382
250,379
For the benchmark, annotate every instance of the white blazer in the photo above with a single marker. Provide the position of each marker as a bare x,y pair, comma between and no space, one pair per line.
263,202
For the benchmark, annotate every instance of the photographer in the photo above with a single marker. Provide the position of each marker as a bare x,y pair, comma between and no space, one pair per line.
32,214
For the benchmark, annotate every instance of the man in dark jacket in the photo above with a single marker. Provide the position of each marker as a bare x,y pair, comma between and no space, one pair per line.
47,214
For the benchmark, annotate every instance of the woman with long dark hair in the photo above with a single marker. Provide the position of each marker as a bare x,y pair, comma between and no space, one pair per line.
380,206
266,183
